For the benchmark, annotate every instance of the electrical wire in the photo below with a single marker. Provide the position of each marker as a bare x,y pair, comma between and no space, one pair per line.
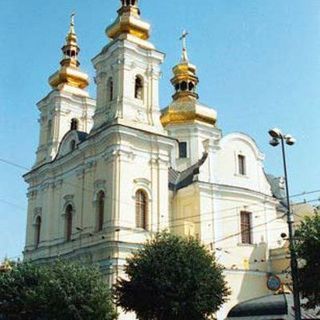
183,218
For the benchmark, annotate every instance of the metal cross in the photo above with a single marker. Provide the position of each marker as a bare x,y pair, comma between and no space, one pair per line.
72,18
183,38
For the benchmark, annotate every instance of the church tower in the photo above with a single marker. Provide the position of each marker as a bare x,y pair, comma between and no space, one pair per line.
128,72
192,123
68,106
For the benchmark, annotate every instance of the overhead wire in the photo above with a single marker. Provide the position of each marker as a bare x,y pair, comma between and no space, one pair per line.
183,218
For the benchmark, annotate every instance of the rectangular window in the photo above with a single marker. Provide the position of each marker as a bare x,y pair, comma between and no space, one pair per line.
246,226
242,164
182,150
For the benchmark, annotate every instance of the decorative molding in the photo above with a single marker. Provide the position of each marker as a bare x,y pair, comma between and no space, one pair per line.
45,187
100,77
159,161
99,184
141,116
142,181
57,183
110,155
38,211
32,194
68,198
80,172
90,164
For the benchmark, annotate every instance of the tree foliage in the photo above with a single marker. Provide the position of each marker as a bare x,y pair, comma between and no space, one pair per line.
172,278
308,253
61,290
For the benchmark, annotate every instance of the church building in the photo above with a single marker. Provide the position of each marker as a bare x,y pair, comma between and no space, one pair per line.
111,172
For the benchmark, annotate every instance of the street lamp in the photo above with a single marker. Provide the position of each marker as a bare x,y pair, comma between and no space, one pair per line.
278,138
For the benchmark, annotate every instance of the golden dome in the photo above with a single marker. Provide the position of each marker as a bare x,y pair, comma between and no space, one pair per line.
69,73
185,78
186,110
129,22
185,107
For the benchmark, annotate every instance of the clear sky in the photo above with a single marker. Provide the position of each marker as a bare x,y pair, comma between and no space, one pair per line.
258,63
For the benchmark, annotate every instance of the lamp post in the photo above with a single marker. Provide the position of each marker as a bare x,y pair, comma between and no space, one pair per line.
279,138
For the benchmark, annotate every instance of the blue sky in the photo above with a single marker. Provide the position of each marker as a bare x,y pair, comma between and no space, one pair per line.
258,63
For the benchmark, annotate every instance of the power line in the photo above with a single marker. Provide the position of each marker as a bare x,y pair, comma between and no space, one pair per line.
13,205
212,219
8,162
13,164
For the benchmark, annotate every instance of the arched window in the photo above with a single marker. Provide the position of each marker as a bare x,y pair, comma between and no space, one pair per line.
49,130
110,89
141,209
37,231
101,199
128,2
72,145
138,89
74,124
69,213
184,86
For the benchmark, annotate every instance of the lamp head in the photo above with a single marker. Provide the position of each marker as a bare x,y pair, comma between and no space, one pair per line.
274,142
290,140
275,133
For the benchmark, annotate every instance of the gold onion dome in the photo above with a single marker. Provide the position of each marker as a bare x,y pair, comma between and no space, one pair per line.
69,72
185,106
129,23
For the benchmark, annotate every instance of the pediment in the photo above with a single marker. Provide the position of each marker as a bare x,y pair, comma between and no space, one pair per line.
70,142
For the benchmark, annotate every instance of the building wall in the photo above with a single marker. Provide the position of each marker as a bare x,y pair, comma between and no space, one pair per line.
56,112
119,162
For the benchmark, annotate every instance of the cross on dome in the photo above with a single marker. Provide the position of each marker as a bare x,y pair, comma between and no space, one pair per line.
72,23
183,38
69,72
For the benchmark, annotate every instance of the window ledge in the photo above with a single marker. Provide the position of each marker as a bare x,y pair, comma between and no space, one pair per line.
247,245
241,176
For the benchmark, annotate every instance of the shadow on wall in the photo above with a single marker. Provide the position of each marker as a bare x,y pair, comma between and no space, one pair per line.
254,278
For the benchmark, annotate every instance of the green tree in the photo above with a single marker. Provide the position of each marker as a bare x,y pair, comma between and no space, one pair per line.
61,290
308,253
172,278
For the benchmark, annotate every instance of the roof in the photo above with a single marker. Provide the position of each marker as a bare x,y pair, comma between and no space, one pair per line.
278,191
82,135
269,307
179,180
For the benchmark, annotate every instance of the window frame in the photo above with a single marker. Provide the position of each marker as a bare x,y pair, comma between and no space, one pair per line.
110,89
242,168
141,208
68,222
183,155
74,124
246,227
100,210
38,224
139,88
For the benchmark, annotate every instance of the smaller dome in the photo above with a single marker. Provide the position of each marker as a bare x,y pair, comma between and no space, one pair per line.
185,110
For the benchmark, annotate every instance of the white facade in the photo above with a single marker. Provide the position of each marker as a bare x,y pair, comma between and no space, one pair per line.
120,147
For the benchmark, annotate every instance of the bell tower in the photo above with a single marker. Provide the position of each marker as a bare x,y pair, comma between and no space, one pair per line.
127,74
68,106
192,123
